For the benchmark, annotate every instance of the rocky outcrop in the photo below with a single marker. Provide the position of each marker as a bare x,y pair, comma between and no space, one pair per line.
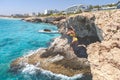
52,20
59,59
60,56
98,38
104,57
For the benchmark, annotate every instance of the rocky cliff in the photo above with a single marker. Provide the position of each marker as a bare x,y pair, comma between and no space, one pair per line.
104,57
99,43
52,20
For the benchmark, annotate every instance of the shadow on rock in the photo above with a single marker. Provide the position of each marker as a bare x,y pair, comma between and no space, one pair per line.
80,51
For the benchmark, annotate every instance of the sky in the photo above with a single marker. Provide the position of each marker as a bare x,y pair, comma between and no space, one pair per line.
8,7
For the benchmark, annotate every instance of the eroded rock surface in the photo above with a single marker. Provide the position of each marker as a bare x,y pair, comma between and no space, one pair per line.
52,20
104,57
60,57
99,37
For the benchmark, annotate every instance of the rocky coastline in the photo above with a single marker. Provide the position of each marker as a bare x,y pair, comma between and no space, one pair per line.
98,49
51,20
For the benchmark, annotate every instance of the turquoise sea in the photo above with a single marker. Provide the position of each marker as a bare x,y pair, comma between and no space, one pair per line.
19,38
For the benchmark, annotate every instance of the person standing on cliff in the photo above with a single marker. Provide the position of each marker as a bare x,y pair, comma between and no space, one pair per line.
71,33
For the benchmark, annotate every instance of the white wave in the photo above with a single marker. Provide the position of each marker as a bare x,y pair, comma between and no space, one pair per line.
61,76
29,69
33,70
42,31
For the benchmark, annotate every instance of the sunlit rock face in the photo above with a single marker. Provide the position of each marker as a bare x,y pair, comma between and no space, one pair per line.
104,57
99,41
60,56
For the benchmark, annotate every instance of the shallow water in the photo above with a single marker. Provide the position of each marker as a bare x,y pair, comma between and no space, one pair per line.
18,38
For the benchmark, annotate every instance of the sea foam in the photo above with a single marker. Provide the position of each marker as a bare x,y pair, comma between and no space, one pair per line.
33,72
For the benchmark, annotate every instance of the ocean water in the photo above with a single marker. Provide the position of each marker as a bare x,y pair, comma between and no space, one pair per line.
19,38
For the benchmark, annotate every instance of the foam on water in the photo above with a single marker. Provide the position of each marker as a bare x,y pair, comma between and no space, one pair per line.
18,38
30,71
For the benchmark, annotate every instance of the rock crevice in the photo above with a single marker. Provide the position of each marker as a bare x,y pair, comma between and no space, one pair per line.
98,38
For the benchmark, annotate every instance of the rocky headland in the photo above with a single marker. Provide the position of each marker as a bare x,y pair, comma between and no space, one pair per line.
51,20
98,51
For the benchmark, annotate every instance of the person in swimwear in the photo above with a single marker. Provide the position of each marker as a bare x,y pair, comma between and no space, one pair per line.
72,34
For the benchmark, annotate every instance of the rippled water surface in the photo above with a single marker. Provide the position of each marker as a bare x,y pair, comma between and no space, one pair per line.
17,38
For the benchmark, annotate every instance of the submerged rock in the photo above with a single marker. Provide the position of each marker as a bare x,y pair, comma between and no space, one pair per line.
47,30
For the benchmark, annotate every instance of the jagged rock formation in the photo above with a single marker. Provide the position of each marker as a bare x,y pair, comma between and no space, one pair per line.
98,35
104,57
52,20
60,57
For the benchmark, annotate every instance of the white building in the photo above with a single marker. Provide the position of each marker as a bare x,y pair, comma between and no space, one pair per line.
108,8
76,8
32,14
95,9
47,11
118,5
51,11
17,15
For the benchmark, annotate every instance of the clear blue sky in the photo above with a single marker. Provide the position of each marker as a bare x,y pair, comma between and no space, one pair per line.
27,6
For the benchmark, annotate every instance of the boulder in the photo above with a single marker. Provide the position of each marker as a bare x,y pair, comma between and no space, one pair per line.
47,30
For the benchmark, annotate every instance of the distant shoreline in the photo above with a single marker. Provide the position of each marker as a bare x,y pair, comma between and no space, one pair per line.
10,18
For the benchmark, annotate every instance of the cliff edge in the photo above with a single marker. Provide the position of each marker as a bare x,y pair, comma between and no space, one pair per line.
97,51
104,57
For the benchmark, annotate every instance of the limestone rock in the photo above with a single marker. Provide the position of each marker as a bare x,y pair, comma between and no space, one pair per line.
98,33
104,57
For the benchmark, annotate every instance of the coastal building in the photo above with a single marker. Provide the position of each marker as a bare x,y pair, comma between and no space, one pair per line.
26,14
51,12
118,5
95,9
76,8
108,8
32,14
17,15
